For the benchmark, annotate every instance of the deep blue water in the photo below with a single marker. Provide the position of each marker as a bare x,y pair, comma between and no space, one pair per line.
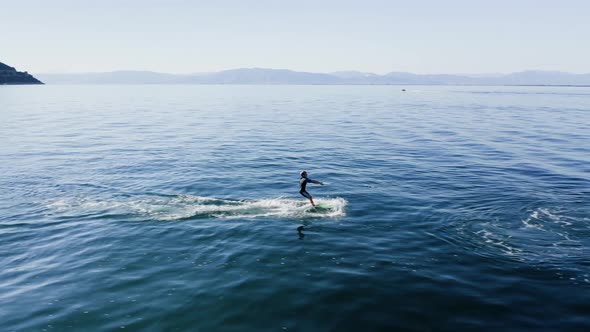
176,208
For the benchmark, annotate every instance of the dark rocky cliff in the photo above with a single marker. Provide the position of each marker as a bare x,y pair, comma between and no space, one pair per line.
9,75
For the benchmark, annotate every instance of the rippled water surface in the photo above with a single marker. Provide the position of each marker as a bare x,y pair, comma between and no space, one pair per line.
176,208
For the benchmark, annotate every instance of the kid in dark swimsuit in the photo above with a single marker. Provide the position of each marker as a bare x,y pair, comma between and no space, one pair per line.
303,181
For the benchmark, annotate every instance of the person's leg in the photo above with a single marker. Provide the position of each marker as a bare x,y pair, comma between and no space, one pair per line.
308,196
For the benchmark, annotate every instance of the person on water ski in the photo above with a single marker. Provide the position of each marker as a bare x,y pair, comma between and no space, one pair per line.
303,181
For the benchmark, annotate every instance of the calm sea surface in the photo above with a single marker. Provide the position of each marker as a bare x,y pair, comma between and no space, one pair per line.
176,208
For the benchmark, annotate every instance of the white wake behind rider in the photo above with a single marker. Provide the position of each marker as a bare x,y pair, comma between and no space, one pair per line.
303,181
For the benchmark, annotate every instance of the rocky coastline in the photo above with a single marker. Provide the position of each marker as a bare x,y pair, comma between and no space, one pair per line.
9,75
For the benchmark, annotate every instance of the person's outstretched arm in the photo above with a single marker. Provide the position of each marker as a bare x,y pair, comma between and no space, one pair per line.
316,182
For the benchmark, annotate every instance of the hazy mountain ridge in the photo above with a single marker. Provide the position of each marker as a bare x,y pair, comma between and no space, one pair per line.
285,76
9,75
260,76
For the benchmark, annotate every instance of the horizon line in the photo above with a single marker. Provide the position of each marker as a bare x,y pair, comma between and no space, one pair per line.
303,71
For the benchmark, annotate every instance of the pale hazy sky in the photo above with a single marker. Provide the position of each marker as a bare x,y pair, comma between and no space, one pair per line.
421,36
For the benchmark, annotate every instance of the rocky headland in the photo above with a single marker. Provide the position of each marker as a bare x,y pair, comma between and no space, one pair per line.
9,75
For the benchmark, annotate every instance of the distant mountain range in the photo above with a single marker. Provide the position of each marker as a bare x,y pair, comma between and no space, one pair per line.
284,76
9,75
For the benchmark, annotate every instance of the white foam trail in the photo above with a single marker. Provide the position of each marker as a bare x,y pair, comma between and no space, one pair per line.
539,216
190,206
496,240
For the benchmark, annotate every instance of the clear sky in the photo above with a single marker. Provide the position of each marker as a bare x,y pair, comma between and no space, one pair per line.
182,36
